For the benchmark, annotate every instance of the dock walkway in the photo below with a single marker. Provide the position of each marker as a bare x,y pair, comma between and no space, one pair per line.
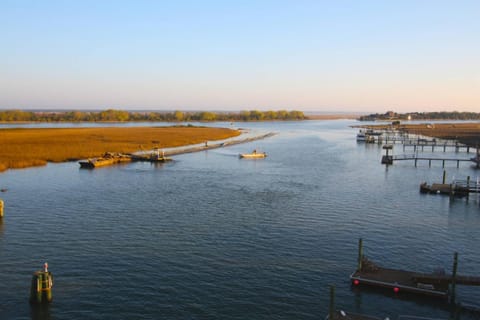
437,284
416,158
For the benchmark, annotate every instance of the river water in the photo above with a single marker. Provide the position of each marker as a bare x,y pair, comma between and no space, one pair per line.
212,236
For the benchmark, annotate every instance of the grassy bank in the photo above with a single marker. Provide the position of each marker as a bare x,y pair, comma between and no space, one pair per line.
23,148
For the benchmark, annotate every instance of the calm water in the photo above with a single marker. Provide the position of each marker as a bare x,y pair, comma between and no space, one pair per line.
210,236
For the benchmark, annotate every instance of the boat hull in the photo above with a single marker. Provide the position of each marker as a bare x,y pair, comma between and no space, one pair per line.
253,155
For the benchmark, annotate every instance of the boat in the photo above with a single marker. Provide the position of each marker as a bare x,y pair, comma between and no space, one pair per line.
368,136
107,159
253,155
361,136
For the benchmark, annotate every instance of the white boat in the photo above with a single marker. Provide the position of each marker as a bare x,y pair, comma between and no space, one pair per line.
253,155
361,136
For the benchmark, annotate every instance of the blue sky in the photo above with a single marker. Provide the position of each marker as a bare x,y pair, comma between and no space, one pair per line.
349,56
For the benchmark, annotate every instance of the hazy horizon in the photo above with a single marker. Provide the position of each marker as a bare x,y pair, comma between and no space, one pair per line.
318,56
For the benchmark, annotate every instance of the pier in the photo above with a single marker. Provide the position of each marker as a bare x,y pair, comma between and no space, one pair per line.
389,158
434,145
458,188
437,284
416,158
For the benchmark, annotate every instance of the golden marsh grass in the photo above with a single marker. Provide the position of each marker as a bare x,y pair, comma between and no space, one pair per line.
21,148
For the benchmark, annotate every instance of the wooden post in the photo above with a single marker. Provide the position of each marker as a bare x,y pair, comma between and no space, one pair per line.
454,275
360,254
331,310
444,176
1,208
41,288
468,187
443,163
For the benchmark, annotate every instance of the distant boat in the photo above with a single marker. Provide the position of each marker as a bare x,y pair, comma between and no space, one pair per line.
253,155
361,136
367,136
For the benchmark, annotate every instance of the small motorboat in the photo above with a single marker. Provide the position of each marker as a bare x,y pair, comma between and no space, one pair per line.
253,155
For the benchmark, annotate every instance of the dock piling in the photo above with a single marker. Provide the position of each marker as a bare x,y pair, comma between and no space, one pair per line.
444,176
41,288
454,276
1,208
360,254
331,310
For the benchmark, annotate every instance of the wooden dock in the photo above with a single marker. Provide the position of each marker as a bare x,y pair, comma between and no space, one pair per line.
438,284
416,158
456,188
433,145
396,280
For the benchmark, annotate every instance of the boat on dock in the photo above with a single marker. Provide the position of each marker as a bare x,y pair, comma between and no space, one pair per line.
253,155
107,159
368,136
361,136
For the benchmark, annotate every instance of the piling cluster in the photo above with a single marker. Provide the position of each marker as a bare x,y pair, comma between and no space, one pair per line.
41,288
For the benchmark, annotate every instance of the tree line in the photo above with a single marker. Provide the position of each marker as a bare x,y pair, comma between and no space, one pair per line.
123,116
445,115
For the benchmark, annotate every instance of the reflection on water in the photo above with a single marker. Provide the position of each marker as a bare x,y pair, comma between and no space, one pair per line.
40,312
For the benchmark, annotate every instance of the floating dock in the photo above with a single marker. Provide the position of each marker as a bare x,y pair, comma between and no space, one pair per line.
114,158
458,188
107,159
443,188
438,284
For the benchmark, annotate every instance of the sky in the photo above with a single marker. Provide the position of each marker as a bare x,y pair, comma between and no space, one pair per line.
308,55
